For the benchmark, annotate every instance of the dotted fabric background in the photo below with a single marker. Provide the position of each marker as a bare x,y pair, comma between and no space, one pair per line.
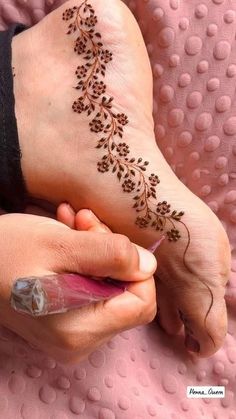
138,374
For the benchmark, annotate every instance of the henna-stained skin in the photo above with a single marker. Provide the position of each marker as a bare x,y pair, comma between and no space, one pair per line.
95,102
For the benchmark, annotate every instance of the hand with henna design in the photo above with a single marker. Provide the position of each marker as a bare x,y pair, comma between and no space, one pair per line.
86,131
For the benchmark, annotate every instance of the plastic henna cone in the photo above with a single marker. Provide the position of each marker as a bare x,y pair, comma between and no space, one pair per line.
51,294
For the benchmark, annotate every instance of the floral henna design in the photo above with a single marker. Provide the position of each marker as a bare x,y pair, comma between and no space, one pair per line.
95,102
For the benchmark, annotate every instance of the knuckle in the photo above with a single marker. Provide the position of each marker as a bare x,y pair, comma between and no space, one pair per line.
65,250
121,250
60,334
67,342
147,312
150,313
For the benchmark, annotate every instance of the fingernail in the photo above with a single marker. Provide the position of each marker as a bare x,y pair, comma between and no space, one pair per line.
94,216
191,343
155,245
70,208
147,262
100,227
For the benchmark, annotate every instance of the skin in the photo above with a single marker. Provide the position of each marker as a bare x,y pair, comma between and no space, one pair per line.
60,163
48,247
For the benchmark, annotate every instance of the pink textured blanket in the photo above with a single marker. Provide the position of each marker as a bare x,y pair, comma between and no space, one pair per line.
142,373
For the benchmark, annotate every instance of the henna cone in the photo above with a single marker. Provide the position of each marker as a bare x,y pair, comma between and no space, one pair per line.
51,294
59,293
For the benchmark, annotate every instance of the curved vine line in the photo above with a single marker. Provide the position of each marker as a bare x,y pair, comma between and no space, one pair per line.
94,101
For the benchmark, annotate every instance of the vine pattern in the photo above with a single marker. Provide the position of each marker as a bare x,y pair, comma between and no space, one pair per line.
98,105
94,101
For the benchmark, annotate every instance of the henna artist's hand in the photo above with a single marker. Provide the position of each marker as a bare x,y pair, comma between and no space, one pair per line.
47,247
86,150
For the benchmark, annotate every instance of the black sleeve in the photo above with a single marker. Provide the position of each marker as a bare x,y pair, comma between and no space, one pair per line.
12,185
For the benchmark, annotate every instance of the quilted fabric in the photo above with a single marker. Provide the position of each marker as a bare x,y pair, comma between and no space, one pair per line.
192,49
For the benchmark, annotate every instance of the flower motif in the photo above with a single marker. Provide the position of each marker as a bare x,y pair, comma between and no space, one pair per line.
104,119
91,21
128,185
81,71
68,14
106,56
173,235
80,46
163,208
99,88
96,125
103,166
154,179
122,118
122,149
78,106
141,222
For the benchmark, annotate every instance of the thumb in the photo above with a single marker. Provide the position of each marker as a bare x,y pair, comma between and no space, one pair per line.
205,319
98,254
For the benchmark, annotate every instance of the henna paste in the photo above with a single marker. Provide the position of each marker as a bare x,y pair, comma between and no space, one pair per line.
98,105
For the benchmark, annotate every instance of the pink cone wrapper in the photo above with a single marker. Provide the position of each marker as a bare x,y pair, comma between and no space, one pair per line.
39,296
51,294
155,245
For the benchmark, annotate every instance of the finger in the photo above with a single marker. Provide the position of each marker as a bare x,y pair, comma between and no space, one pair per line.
168,316
136,306
66,215
86,220
98,254
81,331
203,312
